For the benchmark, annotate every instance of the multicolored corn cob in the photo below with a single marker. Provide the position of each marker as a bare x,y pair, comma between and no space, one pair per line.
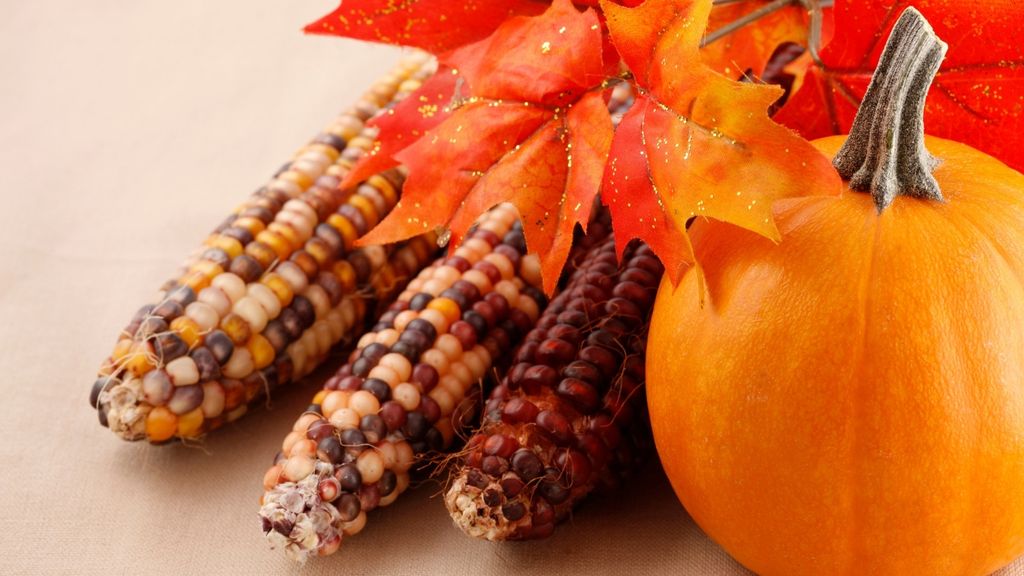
569,416
273,288
410,385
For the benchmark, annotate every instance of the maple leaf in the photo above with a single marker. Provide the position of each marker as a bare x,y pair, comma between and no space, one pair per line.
535,132
977,96
403,124
433,25
695,143
750,46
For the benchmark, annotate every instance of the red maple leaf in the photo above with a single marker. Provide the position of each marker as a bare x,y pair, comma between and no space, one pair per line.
433,25
406,123
977,96
695,143
751,46
535,132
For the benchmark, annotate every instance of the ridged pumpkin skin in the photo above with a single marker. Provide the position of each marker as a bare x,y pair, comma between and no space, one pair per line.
851,401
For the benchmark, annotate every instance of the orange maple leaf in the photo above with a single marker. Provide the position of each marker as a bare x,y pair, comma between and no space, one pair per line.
535,131
695,143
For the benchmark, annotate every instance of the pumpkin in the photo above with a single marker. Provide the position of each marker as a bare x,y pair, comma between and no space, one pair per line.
851,399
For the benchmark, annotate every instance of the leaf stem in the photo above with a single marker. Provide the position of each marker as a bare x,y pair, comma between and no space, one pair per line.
745,20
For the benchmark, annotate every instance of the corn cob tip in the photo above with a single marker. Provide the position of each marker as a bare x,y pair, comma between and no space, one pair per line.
295,517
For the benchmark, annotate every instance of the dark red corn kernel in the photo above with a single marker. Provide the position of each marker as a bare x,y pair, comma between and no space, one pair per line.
543,513
538,377
521,321
394,308
217,256
277,336
459,263
388,318
606,429
555,352
502,338
526,464
619,408
425,376
494,465
240,234
434,440
575,465
329,449
552,491
291,322
487,236
361,264
373,428
536,294
350,383
304,308
331,237
509,252
169,346
387,483
592,445
429,408
513,511
374,352
411,352
566,332
369,497
492,272
393,415
546,322
420,301
498,303
458,297
465,333
349,477
493,346
640,276
362,366
284,367
511,485
468,289
475,460
352,438
516,240
556,425
332,286
635,367
536,335
477,319
168,310
319,430
246,267
603,282
584,305
492,497
581,395
645,262
500,445
206,363
378,388
417,339
604,338
476,478
415,426
573,318
421,325
526,353
585,371
355,217
635,293
605,360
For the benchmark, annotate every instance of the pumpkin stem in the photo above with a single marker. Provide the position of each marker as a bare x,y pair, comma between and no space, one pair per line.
885,153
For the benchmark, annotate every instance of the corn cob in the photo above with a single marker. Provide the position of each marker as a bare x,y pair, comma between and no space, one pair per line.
272,289
408,388
569,416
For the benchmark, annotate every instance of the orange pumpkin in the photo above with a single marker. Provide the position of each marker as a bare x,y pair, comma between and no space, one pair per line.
851,400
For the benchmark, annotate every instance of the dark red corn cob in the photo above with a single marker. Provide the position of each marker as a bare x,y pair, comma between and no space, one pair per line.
569,416
407,388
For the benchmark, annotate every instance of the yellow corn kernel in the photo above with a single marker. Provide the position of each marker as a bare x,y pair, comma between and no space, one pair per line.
226,243
261,350
140,358
321,252
190,424
361,142
281,247
195,280
122,348
291,235
207,268
297,177
384,187
345,228
280,287
188,330
346,274
365,208
161,424
328,151
236,328
250,223
319,398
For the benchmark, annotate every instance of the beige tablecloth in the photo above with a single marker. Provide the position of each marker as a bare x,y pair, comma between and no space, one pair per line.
128,130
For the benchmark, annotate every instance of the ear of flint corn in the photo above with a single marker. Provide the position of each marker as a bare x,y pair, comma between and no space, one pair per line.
569,416
272,289
409,387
